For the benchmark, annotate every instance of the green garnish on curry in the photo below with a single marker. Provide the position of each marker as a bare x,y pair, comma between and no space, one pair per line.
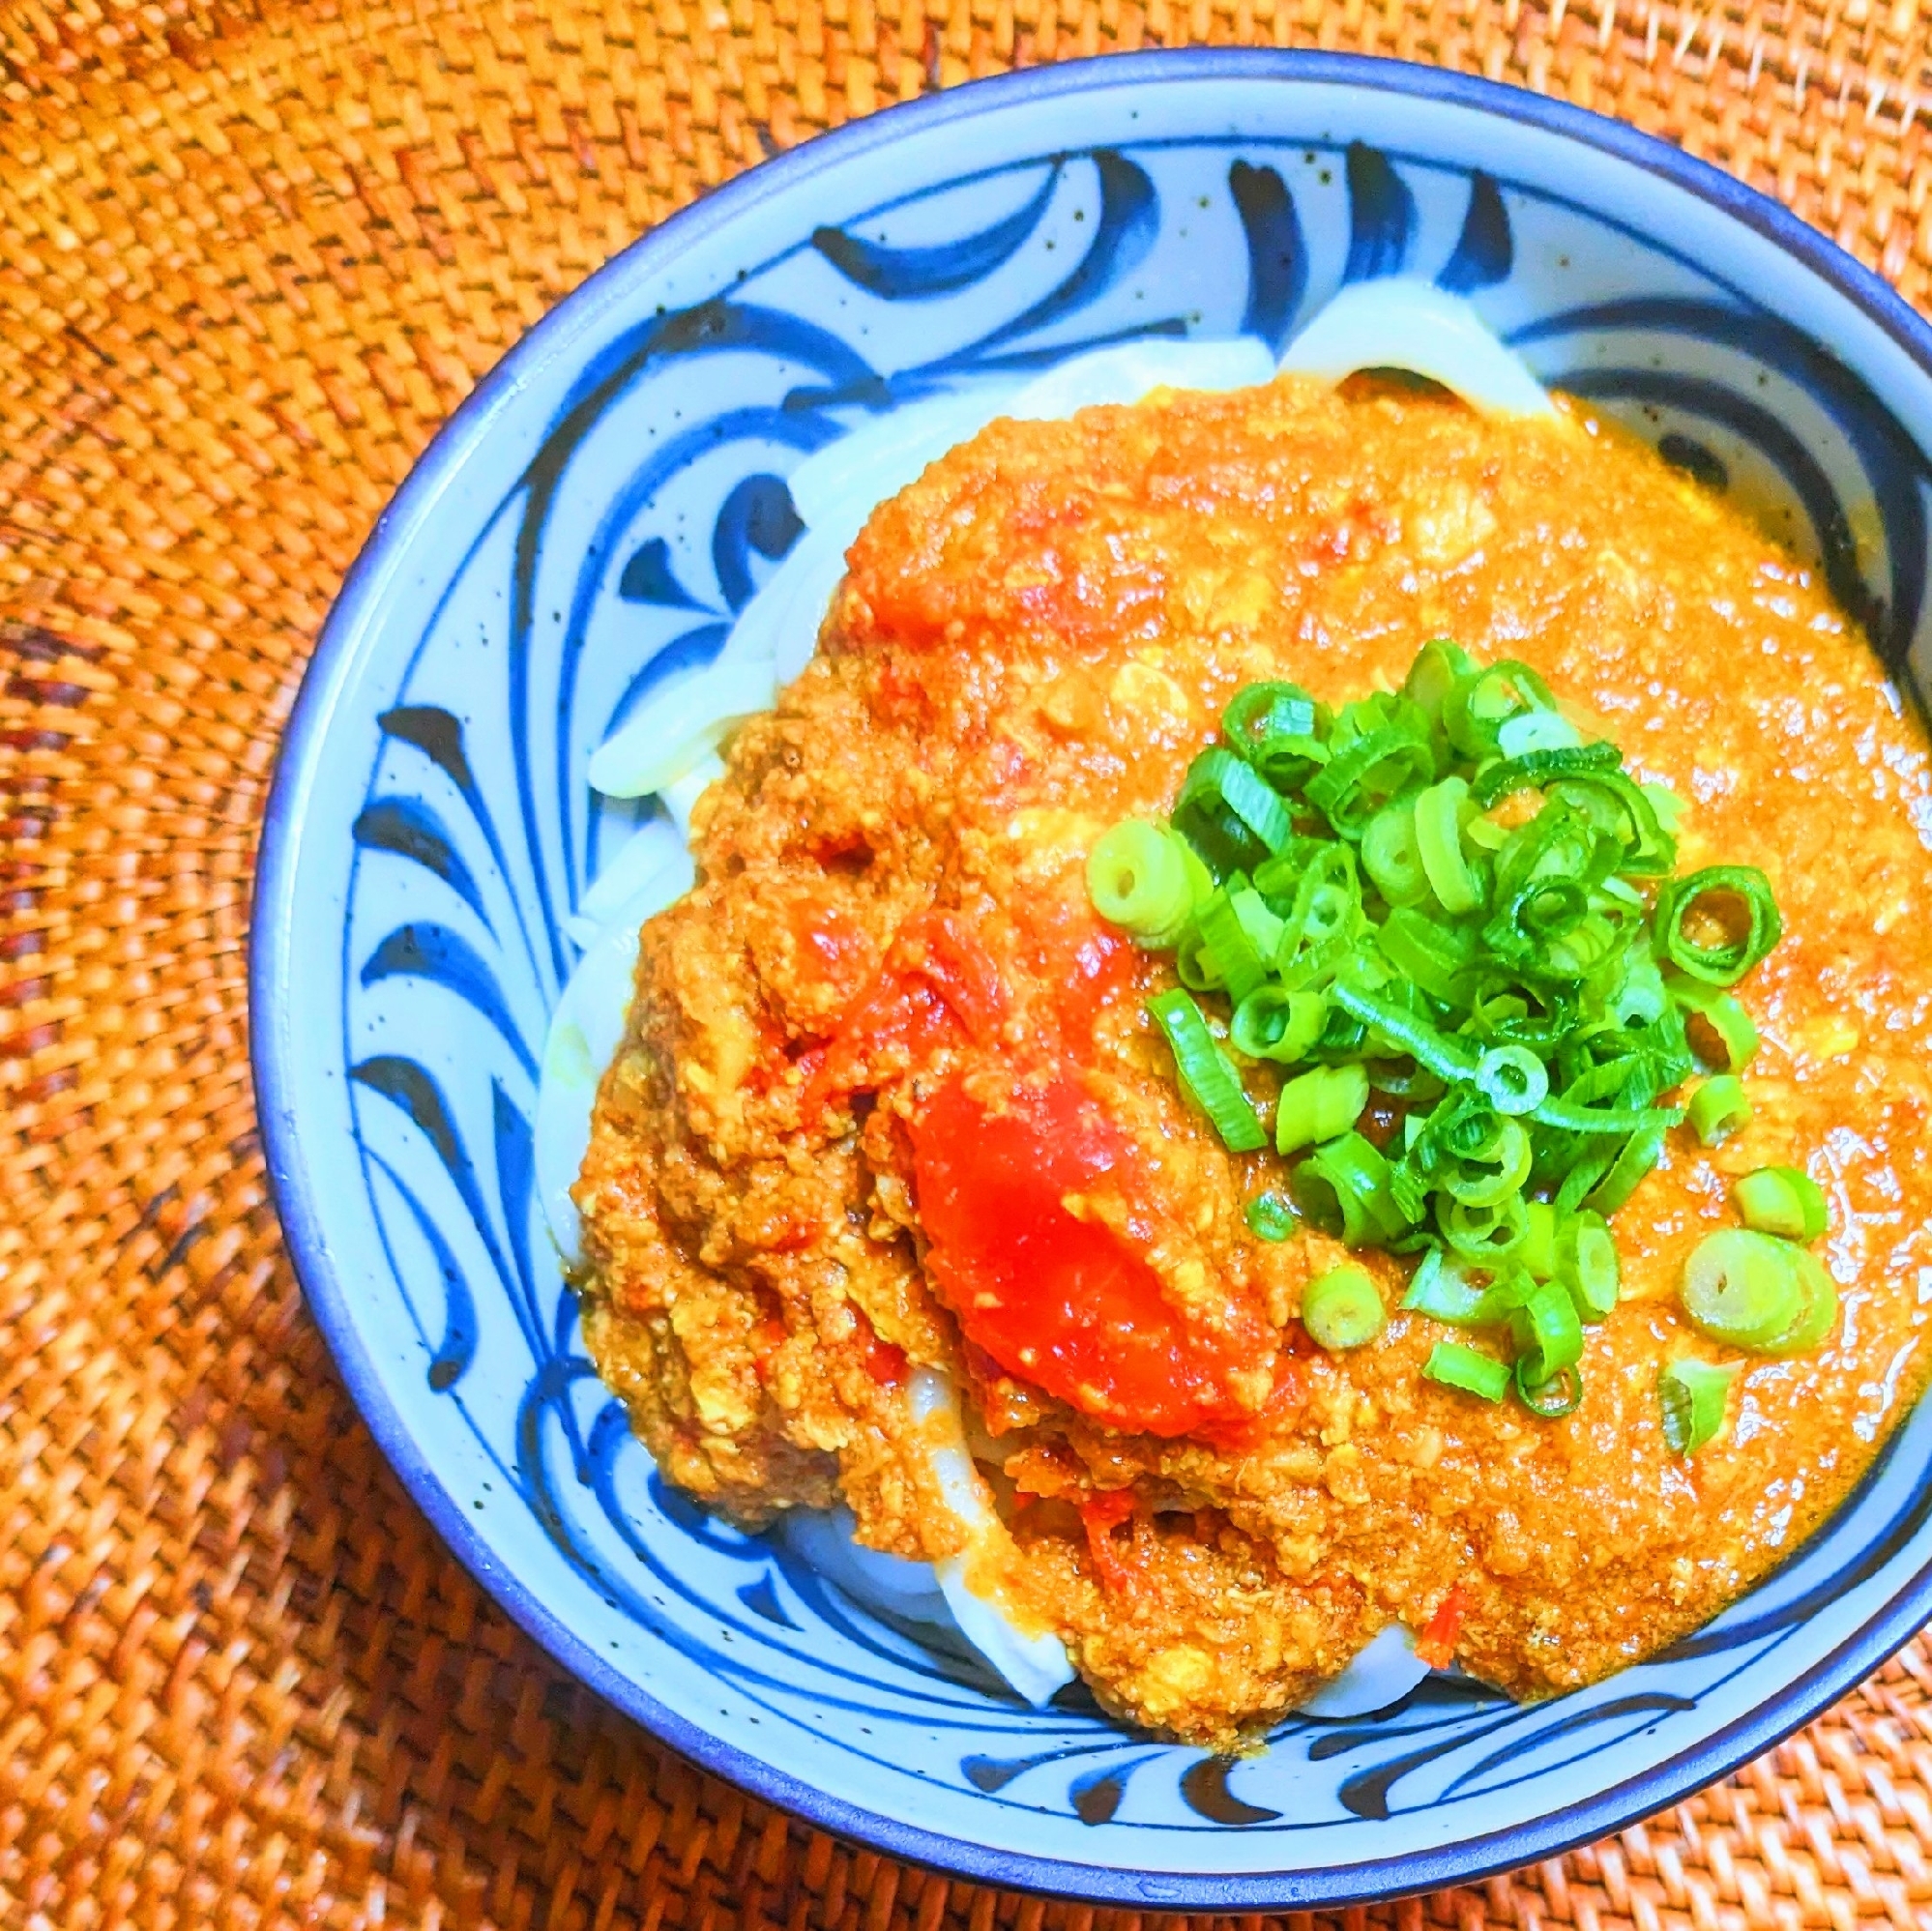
1445,905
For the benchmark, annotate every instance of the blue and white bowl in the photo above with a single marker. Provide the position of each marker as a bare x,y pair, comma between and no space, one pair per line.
592,521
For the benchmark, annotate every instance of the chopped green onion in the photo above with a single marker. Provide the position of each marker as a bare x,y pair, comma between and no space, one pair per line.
1538,1256
1536,731
1337,877
1719,1108
1445,1057
1227,955
1533,770
1512,1079
1138,881
1572,1118
1390,856
1194,963
1640,997
1428,954
1279,729
1587,1264
1478,705
1548,1331
1455,1365
1359,781
1482,1179
1820,1309
1623,812
1721,1030
1781,1200
1343,1309
1639,1153
1439,816
1263,927
1693,1395
1438,667
1206,1076
1273,1023
1742,1288
1726,897
1507,1007
1343,1189
1229,814
1441,1288
1325,907
1270,1217
1490,1233
1552,1397
1319,1106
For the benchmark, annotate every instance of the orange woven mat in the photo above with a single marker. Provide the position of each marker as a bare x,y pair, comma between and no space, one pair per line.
250,255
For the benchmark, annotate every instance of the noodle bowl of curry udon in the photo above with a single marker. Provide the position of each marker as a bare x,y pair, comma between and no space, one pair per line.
1086,989
1294,1050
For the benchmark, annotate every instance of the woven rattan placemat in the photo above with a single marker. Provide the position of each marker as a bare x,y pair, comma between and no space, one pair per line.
250,255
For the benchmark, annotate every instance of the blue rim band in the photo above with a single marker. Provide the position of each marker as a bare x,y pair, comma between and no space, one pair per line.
271,1030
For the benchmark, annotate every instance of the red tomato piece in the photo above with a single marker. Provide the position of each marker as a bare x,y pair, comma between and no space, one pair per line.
1084,962
1436,1645
1100,1515
937,982
1062,1300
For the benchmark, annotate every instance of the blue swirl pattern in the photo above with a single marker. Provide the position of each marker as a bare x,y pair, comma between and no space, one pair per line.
654,508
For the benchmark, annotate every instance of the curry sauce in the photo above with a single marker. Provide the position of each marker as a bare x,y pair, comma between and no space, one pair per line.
885,1058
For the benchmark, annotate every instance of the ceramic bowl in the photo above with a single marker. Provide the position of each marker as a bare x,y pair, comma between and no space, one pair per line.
593,517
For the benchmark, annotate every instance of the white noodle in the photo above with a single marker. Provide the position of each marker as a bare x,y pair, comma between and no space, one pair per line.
681,726
1414,325
671,747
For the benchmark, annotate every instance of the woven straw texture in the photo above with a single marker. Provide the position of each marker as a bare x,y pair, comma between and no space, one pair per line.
250,255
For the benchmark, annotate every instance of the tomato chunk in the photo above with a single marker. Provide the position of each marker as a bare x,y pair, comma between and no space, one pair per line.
937,982
1436,1645
1060,1299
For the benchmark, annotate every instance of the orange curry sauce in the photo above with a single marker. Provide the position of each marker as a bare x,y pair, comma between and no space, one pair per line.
888,1100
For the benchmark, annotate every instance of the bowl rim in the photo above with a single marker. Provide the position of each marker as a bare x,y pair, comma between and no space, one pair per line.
272,1043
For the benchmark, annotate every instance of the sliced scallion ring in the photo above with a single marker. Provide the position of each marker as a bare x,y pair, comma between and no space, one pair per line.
1360,779
1279,730
1343,1309
1720,1030
1342,1189
1441,1288
1268,1217
1490,1233
1781,1200
1547,1332
1693,1396
1391,857
1718,922
1455,1365
1552,1397
1440,813
1818,1313
1718,1108
1137,879
1742,1288
1538,1256
1587,1264
1319,1106
1512,1079
1273,1023
1206,1076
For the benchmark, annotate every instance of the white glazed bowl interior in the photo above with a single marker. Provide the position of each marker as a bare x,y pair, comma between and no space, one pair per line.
593,518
